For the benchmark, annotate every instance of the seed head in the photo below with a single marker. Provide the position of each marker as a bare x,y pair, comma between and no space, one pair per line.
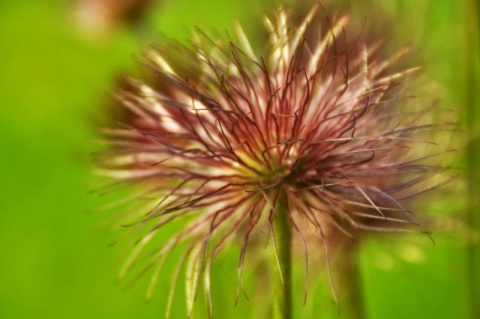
217,133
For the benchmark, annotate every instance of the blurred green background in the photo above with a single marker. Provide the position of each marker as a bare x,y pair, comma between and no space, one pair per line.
55,78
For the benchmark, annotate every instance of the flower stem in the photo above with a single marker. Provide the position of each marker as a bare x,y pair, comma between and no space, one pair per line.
352,302
473,177
283,237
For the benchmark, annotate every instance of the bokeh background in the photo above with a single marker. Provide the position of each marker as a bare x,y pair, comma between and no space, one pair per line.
56,72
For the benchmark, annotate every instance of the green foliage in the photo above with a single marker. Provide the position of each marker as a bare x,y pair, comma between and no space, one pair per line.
53,80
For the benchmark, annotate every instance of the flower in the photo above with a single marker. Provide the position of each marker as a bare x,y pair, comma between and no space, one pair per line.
99,16
222,139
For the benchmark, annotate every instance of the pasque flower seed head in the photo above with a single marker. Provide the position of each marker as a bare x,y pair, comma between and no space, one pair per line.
216,135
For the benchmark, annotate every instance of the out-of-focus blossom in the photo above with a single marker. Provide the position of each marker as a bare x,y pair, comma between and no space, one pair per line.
101,16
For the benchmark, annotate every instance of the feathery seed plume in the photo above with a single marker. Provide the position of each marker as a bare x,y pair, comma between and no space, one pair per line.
219,136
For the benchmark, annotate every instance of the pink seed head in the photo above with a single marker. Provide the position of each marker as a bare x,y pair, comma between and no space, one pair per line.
218,132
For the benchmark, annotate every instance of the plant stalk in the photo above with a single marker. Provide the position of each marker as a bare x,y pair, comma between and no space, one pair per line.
473,157
351,302
283,236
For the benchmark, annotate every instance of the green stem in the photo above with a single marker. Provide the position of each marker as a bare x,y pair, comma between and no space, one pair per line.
283,237
351,303
473,157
